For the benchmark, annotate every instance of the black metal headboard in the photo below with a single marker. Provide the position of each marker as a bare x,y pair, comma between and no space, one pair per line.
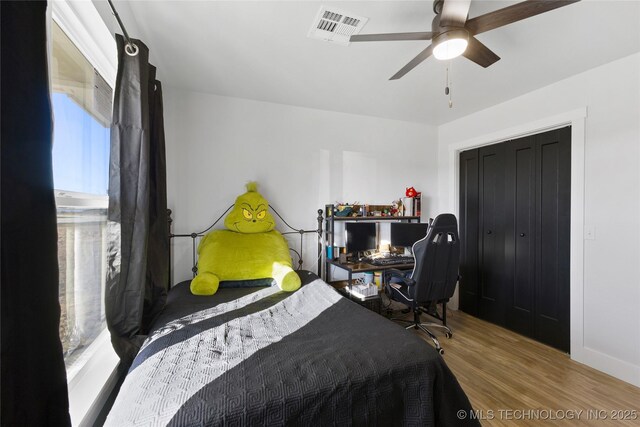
292,230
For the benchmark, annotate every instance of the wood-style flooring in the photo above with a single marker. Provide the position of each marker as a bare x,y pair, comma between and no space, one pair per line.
509,377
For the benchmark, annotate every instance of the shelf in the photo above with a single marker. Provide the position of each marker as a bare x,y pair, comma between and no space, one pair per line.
355,267
343,285
362,267
339,284
374,218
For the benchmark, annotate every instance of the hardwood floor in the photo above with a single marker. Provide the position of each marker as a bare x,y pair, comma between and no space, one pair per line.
508,377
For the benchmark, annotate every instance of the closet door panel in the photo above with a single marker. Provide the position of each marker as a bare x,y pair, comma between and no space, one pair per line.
517,214
520,234
491,235
524,229
553,223
469,231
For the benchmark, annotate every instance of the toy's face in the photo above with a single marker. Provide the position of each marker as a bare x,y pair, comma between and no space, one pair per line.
250,214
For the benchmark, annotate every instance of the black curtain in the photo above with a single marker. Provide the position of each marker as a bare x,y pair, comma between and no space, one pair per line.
137,279
34,383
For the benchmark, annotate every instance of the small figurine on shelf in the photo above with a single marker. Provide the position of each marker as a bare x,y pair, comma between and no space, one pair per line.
347,209
411,192
343,210
396,207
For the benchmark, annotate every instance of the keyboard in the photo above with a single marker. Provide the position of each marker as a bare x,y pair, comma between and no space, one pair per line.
391,260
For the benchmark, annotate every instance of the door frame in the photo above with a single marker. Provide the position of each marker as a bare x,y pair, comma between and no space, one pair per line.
577,120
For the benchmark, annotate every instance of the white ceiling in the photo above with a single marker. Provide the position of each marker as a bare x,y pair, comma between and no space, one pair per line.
260,50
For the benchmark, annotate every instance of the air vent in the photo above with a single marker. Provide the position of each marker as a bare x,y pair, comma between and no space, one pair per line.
335,25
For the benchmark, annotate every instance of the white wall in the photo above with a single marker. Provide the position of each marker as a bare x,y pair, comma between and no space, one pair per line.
302,159
609,336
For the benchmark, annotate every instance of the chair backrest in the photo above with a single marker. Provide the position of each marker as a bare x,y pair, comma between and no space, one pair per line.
437,260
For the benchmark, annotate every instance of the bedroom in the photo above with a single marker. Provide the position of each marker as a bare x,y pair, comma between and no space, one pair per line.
247,96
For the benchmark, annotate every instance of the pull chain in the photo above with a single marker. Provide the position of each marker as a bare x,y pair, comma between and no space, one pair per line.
447,88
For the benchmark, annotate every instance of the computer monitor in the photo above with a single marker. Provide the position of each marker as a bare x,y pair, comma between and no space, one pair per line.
360,236
406,233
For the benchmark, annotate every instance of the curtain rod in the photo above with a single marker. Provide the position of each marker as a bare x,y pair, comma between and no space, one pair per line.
130,47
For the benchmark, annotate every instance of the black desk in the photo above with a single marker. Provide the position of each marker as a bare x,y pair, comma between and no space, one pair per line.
361,267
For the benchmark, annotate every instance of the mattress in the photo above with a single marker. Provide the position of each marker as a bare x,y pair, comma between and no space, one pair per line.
260,356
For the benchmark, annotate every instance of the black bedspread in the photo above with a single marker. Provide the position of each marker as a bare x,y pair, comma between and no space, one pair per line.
257,356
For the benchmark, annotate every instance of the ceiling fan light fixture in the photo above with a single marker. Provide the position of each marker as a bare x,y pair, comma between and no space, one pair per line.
450,44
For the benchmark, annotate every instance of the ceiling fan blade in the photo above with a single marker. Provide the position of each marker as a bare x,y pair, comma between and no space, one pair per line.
514,13
454,13
391,37
413,63
479,53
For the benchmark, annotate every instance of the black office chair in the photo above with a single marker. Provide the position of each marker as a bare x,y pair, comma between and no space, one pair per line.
433,279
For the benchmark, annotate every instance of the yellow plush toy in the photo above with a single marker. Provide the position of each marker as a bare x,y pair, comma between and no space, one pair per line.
249,249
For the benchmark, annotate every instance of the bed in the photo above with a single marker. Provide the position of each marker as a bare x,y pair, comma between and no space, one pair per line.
254,355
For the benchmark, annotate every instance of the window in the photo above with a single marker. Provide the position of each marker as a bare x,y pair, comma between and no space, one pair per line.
81,101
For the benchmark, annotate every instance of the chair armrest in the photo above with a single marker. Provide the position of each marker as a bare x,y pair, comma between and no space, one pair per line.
393,272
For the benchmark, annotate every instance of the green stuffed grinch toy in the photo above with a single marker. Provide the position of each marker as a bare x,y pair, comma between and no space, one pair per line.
249,249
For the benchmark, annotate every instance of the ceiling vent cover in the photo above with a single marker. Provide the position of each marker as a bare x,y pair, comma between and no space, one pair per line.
335,25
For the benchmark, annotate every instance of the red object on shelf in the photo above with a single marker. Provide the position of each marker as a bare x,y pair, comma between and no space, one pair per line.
411,192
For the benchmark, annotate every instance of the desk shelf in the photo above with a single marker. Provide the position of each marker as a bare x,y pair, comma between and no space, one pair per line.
328,241
343,285
377,218
373,303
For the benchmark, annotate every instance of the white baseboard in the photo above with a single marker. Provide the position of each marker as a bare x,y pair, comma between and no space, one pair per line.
617,368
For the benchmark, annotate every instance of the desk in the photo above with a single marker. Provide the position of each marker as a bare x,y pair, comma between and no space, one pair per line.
328,239
361,267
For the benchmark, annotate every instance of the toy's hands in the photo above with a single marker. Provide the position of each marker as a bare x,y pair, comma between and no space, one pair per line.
287,279
205,284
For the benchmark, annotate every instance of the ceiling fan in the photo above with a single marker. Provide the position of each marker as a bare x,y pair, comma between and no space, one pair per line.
453,34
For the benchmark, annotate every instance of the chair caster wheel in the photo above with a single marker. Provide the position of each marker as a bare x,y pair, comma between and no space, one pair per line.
441,351
448,335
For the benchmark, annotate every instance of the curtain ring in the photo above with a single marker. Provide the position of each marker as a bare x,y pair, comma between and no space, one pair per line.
131,49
